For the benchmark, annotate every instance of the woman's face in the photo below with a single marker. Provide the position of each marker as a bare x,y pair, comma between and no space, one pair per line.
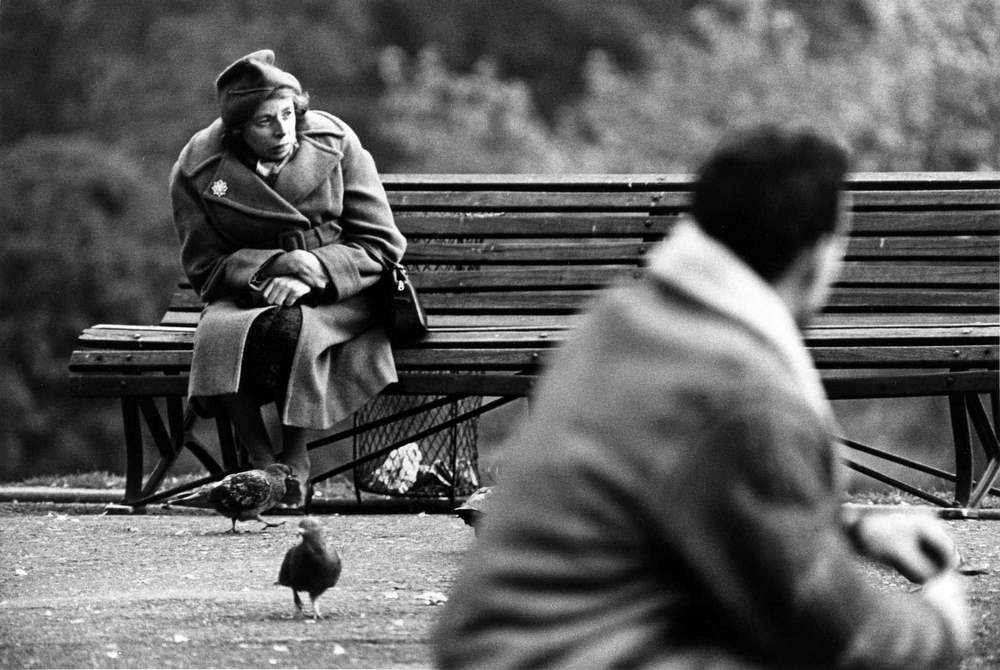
270,132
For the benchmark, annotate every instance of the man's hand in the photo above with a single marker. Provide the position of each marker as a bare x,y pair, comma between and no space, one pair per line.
301,264
285,290
915,544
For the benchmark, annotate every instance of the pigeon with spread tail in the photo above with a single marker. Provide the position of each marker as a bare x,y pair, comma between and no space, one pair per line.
242,496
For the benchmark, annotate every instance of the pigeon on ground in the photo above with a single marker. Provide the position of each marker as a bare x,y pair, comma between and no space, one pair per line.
244,495
475,507
309,567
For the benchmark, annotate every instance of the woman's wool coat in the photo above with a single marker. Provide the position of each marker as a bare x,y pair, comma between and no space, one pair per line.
228,222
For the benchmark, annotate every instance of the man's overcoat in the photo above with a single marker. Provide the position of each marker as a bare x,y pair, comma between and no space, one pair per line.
229,221
672,500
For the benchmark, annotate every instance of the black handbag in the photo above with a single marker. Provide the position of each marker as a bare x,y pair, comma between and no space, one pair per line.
406,321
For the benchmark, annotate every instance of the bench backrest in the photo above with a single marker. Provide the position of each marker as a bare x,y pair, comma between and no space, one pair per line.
529,251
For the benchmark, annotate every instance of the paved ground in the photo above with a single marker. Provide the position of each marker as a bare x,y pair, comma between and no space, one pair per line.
170,589
82,590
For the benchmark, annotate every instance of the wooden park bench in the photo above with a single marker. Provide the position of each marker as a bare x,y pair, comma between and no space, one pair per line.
505,263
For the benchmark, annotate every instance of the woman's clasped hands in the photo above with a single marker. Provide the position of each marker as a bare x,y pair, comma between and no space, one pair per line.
293,275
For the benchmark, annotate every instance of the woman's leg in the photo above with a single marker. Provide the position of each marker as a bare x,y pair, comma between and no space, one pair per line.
295,455
244,412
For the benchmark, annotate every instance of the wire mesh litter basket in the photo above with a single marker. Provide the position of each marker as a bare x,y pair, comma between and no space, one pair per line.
443,464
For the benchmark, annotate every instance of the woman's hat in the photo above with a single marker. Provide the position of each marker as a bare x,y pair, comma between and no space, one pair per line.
249,81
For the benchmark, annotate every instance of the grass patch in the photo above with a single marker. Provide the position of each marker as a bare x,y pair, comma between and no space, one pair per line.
76,480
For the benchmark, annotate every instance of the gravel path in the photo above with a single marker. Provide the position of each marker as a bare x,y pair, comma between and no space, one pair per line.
171,589
174,590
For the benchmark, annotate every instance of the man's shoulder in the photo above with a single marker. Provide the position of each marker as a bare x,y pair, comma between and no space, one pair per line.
666,349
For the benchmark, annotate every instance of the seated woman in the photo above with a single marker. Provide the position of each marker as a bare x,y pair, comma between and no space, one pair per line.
284,230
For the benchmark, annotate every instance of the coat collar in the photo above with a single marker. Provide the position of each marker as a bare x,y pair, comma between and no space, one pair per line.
235,185
693,263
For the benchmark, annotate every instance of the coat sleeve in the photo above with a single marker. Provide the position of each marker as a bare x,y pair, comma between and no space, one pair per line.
760,525
370,236
216,268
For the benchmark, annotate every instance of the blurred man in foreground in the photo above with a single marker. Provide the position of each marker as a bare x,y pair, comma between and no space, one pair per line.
673,499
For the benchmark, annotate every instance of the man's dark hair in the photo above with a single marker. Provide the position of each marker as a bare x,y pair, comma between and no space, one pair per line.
768,193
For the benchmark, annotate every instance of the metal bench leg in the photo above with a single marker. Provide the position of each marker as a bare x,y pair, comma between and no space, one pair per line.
133,450
963,450
170,439
167,443
988,439
227,442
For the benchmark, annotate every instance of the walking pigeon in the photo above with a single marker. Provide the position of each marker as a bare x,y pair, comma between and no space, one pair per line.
242,496
309,567
474,508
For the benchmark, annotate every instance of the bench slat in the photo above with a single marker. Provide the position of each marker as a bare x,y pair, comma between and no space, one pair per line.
614,252
526,358
918,274
537,224
906,199
913,180
169,338
513,201
190,319
852,273
528,224
982,247
950,222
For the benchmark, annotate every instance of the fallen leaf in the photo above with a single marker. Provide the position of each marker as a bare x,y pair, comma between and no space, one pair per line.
432,597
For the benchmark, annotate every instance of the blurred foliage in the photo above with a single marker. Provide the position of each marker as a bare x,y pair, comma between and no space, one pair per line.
100,95
79,221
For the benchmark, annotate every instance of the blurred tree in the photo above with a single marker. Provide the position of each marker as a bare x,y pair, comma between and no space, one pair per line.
83,243
541,42
961,52
896,101
467,122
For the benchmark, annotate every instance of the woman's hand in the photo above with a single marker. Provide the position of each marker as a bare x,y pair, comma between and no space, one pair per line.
301,264
285,290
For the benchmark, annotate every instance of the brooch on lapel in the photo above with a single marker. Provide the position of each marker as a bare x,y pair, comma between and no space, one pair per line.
219,188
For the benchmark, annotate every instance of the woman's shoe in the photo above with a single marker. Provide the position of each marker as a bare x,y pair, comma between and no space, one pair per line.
296,496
